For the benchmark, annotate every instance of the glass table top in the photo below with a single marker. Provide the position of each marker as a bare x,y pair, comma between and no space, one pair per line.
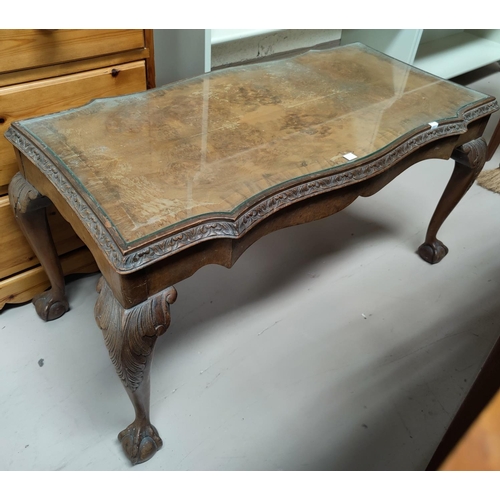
210,145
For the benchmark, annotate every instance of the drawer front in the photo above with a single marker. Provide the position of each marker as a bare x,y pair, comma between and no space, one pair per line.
23,49
56,94
16,254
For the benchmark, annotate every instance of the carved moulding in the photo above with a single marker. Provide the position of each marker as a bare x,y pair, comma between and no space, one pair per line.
130,334
235,225
75,201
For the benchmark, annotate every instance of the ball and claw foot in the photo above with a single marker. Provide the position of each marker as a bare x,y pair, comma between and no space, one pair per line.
140,441
50,307
433,252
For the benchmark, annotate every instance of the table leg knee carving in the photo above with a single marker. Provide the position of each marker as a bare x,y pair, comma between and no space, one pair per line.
469,161
130,336
30,211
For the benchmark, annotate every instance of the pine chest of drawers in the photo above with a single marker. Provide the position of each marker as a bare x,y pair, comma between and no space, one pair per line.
46,71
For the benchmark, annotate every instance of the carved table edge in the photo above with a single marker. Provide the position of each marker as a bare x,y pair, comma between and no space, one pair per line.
126,262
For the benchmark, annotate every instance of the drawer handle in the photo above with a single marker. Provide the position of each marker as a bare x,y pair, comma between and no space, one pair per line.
48,32
2,120
114,72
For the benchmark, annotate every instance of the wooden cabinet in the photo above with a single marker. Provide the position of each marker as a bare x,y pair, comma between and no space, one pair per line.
46,71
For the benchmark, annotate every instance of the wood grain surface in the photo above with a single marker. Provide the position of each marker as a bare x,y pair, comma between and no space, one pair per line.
23,286
479,449
210,144
23,48
16,254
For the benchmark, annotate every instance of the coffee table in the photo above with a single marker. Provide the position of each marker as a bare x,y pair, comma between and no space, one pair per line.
161,183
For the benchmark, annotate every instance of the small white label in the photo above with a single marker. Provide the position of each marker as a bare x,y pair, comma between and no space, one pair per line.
433,125
349,156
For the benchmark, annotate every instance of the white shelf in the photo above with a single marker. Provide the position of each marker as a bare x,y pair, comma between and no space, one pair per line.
456,54
445,53
400,44
223,36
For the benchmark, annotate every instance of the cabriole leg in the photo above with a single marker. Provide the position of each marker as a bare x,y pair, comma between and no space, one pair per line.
30,211
469,161
130,336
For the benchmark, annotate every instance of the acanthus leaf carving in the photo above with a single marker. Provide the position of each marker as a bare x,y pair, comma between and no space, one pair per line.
130,334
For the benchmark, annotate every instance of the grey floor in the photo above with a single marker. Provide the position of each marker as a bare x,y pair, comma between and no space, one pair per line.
329,346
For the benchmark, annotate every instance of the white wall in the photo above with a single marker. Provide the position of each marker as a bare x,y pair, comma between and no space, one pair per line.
239,46
221,36
181,54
